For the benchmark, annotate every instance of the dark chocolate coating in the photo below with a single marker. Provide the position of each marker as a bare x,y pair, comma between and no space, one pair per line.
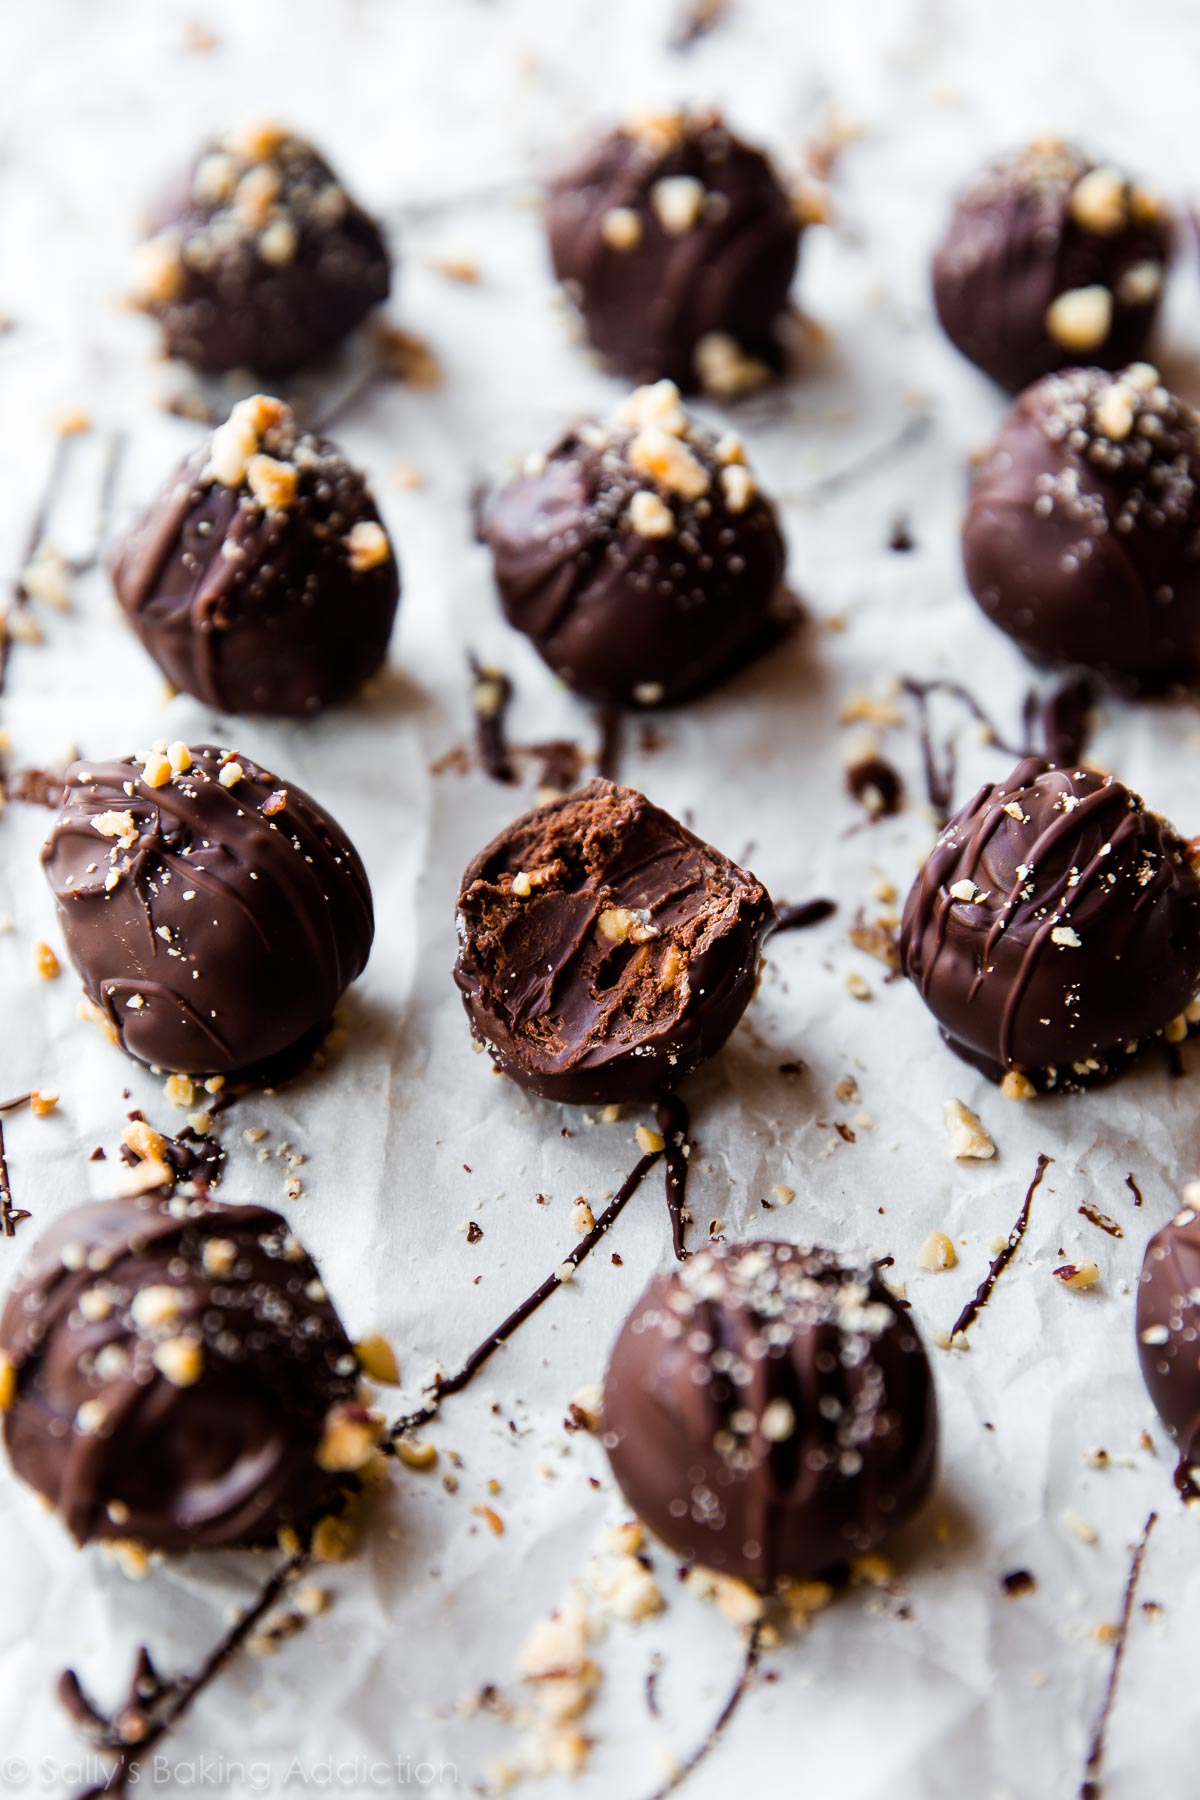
1080,939
633,617
258,259
1168,1330
770,1413
256,607
1032,227
713,262
237,915
1082,539
627,963
175,1364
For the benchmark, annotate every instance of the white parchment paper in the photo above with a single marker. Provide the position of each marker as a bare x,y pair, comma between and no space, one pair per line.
438,113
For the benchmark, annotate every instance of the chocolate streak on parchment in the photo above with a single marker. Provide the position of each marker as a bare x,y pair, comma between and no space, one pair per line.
10,1216
1056,728
741,1688
114,455
445,1385
609,721
983,1293
673,1122
491,692
55,477
1093,1768
804,914
146,1719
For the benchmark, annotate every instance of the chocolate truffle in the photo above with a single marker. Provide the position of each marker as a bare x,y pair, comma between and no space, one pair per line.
1051,259
769,1412
258,259
174,1375
605,951
640,557
1168,1331
678,244
1082,539
215,914
261,580
1055,929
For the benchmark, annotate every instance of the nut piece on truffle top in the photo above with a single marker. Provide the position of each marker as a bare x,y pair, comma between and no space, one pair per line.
258,259
678,244
770,1413
215,914
604,950
1082,537
175,1376
1168,1332
1055,929
261,579
1051,259
640,556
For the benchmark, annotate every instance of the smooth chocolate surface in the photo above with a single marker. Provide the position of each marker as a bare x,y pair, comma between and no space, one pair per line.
258,259
1055,928
215,914
176,1370
769,1412
261,579
1082,539
640,556
604,950
1051,259
678,244
1168,1332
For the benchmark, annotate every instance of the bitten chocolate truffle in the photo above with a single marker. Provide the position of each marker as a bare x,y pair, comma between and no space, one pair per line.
678,244
1055,929
605,952
215,913
1168,1332
258,259
770,1413
261,580
1050,260
174,1375
1082,538
640,557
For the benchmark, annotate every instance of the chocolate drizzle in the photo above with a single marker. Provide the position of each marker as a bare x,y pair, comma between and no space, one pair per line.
55,479
491,695
156,1706
1091,1787
999,1263
445,1385
10,1216
673,1123
1134,1189
804,914
716,1730
1056,727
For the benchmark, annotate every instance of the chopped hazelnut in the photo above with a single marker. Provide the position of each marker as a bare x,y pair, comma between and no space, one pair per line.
1080,319
968,1137
45,962
377,1360
367,546
937,1252
621,228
